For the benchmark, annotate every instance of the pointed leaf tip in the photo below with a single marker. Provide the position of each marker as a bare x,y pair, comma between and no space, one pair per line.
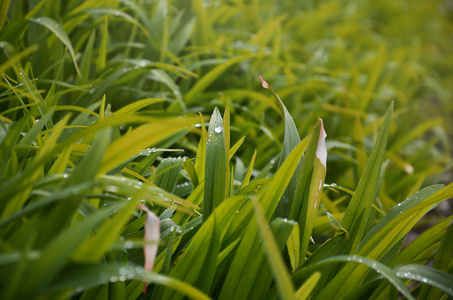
321,151
152,236
263,82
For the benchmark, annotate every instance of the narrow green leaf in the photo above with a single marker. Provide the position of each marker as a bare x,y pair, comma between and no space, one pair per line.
36,96
386,272
293,246
336,225
141,138
431,276
305,290
168,170
246,180
58,252
291,140
361,202
274,257
102,54
243,268
441,263
93,249
215,166
58,30
3,11
304,207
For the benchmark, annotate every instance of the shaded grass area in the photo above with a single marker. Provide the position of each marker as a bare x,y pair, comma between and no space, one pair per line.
108,104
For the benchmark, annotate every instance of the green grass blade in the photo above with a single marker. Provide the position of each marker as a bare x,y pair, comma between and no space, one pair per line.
215,166
431,276
291,140
305,290
360,205
141,138
441,263
59,251
274,257
243,268
305,205
386,272
58,30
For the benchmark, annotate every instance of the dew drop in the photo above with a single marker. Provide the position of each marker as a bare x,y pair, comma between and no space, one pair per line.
218,129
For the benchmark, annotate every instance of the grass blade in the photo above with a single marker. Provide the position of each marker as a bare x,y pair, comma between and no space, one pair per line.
58,30
216,165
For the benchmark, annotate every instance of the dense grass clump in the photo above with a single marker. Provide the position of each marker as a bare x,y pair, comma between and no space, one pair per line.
142,157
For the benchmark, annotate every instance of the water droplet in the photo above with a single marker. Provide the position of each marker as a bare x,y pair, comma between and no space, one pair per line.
399,204
123,271
128,245
218,129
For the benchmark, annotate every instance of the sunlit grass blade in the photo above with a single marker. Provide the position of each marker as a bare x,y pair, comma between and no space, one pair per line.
141,138
304,291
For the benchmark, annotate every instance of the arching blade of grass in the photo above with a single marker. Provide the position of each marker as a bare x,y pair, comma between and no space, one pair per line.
431,276
86,276
441,263
215,166
141,138
58,30
386,272
354,220
386,234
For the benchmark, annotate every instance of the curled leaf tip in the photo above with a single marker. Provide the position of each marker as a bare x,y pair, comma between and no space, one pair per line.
152,236
264,83
321,151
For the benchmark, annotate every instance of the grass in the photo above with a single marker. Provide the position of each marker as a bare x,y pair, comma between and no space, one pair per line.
116,116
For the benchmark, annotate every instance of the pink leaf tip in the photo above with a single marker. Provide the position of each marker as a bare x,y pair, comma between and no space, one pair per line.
321,151
264,83
152,235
